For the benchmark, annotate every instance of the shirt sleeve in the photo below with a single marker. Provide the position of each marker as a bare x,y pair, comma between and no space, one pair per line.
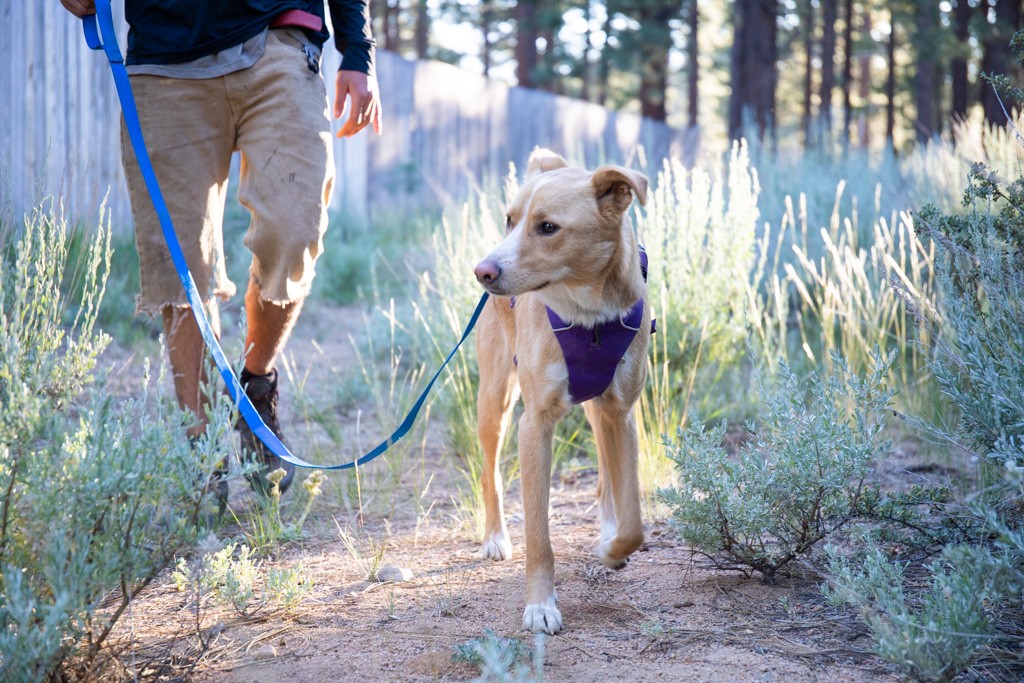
352,34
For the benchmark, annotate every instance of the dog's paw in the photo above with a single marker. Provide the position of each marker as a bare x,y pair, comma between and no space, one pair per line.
604,554
543,618
497,547
614,552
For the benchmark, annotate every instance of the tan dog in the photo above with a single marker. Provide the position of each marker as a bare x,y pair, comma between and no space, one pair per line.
570,247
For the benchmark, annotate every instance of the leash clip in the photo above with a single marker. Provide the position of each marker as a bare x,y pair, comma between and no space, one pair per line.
312,58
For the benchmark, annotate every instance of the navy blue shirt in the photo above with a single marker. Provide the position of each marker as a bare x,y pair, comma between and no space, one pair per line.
177,31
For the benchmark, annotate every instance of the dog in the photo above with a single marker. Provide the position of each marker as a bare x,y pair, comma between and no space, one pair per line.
569,265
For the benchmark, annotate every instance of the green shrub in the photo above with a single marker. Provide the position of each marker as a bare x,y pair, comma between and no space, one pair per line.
96,493
505,660
700,233
799,478
973,597
233,576
980,358
929,634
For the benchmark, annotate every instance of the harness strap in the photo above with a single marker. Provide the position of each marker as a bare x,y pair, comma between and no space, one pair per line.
592,354
100,35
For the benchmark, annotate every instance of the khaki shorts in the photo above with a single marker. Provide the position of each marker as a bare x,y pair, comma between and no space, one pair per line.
275,114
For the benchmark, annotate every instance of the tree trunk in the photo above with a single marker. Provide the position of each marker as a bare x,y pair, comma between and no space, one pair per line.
391,38
737,57
890,84
548,78
586,65
925,70
422,29
692,66
656,45
487,50
526,42
753,67
958,65
847,71
604,64
829,16
996,59
864,83
808,34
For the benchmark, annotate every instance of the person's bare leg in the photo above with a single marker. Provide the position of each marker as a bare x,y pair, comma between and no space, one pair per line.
269,326
187,353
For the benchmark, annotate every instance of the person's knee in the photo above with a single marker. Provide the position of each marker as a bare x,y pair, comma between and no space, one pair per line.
284,274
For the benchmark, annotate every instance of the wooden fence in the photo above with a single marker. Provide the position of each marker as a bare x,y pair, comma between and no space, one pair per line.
444,129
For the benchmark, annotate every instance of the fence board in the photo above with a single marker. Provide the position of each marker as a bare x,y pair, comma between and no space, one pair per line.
445,130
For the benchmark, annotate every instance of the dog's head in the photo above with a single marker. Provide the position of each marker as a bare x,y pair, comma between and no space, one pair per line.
563,226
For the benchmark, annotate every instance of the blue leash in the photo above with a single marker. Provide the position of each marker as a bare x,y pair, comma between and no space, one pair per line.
100,35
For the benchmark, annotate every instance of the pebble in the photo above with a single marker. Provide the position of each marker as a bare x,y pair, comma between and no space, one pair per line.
266,652
397,574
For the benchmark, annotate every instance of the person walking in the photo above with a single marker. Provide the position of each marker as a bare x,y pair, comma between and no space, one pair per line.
212,77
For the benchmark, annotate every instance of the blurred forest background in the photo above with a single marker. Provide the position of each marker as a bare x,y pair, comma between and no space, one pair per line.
814,72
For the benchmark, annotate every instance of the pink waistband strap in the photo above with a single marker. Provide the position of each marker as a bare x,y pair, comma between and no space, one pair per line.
299,19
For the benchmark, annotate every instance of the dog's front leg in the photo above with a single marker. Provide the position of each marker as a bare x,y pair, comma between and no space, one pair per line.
536,432
498,393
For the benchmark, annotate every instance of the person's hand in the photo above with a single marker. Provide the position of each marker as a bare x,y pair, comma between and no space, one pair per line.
79,8
363,99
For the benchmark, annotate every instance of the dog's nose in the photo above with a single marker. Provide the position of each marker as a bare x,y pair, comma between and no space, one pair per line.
487,272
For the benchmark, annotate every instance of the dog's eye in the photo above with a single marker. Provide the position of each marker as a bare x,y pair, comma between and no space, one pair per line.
508,223
547,228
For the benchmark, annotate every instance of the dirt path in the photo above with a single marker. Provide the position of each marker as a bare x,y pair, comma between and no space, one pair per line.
666,616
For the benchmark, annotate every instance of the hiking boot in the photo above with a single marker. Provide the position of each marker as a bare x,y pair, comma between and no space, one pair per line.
262,391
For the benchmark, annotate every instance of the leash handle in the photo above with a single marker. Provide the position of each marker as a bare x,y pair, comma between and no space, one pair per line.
100,35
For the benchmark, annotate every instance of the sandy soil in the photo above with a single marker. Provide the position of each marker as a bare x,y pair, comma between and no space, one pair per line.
669,615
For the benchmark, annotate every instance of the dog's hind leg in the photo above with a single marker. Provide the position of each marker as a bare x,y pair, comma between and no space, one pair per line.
499,390
618,484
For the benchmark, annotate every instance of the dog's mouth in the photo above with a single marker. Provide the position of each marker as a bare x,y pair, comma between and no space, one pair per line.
497,290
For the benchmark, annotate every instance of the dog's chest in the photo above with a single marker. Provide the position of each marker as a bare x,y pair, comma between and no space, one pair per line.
592,354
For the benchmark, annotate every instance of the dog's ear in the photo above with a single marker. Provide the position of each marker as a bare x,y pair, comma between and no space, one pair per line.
616,184
543,160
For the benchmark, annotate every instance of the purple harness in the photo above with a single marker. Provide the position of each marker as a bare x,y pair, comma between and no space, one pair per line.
592,354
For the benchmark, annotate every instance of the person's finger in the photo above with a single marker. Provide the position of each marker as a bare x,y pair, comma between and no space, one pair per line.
79,8
340,94
358,114
355,123
378,124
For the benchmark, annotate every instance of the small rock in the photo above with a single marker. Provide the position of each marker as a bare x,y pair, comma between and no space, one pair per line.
397,574
266,652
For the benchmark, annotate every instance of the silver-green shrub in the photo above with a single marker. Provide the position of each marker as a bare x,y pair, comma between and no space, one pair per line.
503,660
930,634
966,614
96,493
234,576
798,479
